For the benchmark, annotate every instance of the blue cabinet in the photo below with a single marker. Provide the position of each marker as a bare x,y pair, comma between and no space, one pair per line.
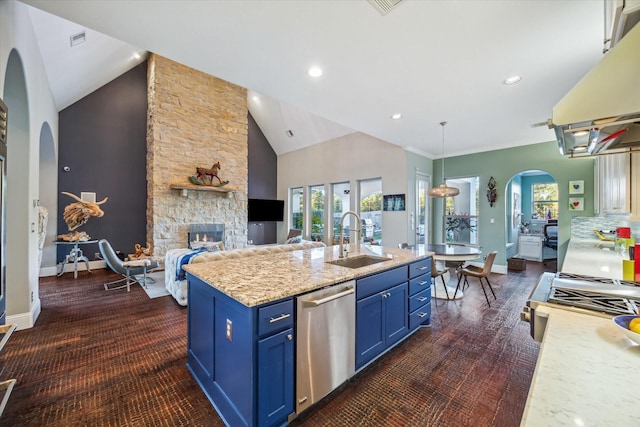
420,293
242,357
381,313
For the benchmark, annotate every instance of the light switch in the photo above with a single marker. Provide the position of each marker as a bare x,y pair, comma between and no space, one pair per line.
492,220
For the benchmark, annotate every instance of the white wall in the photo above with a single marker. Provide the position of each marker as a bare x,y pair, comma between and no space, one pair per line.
16,32
352,158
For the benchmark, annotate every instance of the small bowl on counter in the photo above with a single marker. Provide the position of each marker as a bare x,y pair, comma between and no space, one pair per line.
623,323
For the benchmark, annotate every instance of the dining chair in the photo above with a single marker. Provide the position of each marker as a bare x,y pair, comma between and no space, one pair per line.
129,269
480,273
435,273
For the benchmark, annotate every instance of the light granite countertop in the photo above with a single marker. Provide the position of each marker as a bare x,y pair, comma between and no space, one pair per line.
587,374
261,279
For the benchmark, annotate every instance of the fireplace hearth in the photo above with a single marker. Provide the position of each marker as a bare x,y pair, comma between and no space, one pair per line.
205,233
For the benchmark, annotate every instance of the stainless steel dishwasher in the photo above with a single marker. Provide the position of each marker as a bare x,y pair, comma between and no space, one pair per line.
325,342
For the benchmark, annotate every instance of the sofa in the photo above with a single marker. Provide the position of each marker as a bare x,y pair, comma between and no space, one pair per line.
178,288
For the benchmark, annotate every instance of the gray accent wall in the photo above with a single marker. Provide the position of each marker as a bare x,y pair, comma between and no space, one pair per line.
263,174
102,140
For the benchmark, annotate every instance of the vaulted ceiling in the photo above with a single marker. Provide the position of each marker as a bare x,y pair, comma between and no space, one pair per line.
430,61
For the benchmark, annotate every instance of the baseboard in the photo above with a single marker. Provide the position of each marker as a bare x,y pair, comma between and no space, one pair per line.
52,271
26,320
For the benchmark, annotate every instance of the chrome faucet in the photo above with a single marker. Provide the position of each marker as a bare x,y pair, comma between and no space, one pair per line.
342,230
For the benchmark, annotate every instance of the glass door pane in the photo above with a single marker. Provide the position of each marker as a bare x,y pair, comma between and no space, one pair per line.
341,204
422,229
296,207
317,213
371,211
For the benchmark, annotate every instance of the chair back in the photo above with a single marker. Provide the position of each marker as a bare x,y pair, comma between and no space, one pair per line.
403,245
488,263
551,235
110,257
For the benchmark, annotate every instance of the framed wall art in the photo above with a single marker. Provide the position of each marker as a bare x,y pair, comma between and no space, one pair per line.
576,203
393,202
576,187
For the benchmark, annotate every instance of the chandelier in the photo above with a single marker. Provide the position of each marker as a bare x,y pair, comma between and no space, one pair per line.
443,191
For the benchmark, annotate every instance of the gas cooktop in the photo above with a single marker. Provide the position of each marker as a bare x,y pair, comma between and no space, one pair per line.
599,294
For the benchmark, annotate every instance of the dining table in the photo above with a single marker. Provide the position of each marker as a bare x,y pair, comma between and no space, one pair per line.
455,253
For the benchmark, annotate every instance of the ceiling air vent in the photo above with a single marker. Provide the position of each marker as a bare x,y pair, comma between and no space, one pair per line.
384,6
78,38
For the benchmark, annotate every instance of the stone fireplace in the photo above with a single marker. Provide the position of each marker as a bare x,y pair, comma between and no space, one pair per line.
194,119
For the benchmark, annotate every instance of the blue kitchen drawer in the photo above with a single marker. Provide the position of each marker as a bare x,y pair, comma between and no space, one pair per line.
419,284
421,316
419,299
275,317
420,267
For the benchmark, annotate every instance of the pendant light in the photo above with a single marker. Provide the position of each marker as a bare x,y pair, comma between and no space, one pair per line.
443,191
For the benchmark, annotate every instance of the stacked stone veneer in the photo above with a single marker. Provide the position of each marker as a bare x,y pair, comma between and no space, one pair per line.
194,119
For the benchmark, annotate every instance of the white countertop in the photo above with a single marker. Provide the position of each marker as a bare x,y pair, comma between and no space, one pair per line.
592,257
587,374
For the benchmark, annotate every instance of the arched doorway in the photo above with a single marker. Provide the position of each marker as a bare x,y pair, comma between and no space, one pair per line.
532,202
18,292
48,190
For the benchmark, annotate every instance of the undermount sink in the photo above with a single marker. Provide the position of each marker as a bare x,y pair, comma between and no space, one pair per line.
357,261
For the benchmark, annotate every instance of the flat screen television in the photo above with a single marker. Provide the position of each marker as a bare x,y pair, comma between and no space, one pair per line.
266,210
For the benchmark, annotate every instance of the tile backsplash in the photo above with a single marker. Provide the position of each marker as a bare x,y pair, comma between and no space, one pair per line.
582,227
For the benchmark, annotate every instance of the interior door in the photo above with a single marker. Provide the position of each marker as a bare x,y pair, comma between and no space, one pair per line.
423,183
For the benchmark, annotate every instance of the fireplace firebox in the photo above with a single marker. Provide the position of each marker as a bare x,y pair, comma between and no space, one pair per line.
205,233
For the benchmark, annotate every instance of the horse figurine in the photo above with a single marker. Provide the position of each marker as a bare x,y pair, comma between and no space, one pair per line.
205,176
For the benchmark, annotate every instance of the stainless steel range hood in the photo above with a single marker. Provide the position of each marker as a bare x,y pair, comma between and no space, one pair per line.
601,114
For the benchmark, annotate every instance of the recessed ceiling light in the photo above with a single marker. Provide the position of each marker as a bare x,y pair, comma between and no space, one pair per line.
512,80
256,99
315,71
396,116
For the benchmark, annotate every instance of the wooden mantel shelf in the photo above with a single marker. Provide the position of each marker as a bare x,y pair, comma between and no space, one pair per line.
184,187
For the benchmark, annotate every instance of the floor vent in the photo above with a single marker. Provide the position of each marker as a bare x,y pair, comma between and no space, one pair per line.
384,6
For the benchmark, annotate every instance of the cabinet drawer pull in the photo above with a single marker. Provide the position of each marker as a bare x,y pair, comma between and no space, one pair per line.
289,337
422,268
422,299
421,315
422,283
281,317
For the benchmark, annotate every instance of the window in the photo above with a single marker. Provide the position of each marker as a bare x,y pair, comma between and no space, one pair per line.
371,211
317,212
462,211
545,200
296,208
341,204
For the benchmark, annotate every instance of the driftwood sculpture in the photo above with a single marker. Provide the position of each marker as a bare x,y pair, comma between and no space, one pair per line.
141,251
78,213
205,176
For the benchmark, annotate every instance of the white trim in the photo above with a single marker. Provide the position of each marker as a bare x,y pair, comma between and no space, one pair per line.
26,320
52,271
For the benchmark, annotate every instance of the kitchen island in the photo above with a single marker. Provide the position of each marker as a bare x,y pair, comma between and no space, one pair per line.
242,323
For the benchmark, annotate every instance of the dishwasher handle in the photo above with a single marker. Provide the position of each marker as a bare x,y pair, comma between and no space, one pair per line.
317,302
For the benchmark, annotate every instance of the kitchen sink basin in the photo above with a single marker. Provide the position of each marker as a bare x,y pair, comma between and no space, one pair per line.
358,261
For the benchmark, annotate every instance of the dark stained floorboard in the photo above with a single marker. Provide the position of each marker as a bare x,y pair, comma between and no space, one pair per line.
97,358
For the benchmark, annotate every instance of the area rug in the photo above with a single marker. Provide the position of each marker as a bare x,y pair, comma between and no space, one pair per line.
156,288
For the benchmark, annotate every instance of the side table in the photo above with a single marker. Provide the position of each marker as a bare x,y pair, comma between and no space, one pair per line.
74,256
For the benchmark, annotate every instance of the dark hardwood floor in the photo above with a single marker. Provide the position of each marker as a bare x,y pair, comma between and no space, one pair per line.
97,358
